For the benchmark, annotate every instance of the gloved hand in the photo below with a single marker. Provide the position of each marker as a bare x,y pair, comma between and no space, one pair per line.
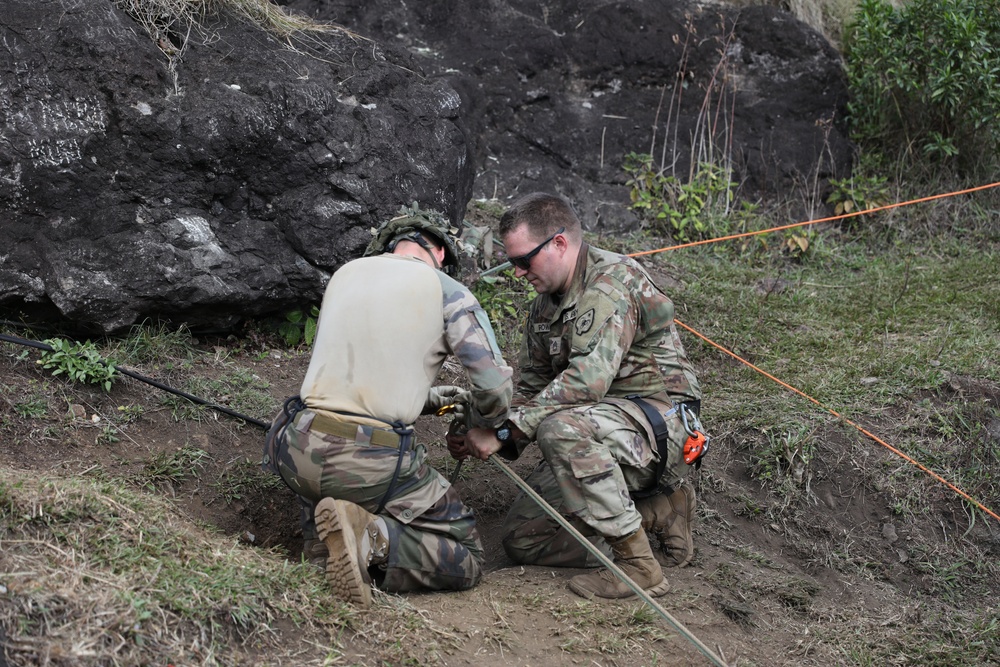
445,394
455,440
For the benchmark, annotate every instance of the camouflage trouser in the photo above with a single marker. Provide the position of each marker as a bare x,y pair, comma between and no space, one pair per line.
433,541
593,456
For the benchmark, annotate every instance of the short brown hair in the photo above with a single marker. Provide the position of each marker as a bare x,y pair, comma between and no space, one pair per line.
543,214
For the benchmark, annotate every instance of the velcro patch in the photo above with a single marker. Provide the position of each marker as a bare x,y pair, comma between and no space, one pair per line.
555,345
585,322
592,322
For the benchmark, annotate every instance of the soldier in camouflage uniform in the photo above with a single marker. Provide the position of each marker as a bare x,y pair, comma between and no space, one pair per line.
345,445
599,334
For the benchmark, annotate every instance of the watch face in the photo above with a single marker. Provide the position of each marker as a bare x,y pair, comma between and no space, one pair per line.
503,434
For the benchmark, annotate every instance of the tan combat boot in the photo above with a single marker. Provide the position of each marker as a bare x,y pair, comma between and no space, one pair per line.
635,558
354,541
670,518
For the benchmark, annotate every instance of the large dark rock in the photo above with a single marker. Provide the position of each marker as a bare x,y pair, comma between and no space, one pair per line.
559,92
224,180
218,174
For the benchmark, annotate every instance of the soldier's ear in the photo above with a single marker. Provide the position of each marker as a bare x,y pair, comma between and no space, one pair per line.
439,254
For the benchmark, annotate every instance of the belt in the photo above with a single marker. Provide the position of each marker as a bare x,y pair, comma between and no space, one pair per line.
378,436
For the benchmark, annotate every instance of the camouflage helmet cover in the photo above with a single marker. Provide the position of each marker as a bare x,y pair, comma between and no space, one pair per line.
412,219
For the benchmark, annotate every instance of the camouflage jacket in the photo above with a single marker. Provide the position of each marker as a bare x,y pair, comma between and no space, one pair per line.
611,335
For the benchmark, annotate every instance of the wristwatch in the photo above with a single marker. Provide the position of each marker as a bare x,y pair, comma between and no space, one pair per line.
504,434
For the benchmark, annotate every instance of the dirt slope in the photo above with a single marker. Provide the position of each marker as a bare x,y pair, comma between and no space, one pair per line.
821,572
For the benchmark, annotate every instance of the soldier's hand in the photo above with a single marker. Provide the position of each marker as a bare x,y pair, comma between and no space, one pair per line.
444,395
455,439
482,443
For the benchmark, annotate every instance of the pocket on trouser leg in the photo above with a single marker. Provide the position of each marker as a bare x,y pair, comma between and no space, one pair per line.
676,468
599,484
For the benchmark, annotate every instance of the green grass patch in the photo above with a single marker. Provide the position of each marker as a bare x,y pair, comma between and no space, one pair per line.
243,477
163,591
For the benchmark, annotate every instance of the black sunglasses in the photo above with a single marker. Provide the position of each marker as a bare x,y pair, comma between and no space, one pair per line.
523,262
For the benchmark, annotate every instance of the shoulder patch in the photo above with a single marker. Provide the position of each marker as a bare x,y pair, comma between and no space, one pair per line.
589,325
540,327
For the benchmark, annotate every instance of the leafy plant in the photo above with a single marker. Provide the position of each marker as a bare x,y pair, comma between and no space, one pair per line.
689,211
36,407
129,413
108,435
924,80
786,458
797,245
505,300
299,326
858,193
80,362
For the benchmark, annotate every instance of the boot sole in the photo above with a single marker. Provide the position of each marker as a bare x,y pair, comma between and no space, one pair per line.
342,569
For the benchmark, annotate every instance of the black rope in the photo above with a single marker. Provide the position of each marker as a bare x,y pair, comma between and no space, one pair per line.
148,380
405,434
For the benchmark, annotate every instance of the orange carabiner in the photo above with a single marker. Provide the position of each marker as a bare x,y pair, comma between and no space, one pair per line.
695,447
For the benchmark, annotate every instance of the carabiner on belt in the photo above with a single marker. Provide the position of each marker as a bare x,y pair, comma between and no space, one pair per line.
696,445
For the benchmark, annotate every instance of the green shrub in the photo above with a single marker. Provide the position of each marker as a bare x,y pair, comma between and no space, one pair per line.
925,81
299,326
692,211
80,362
505,299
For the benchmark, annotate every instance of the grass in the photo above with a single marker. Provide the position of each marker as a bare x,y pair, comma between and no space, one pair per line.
237,389
920,637
243,477
153,345
95,570
161,18
595,628
859,331
173,468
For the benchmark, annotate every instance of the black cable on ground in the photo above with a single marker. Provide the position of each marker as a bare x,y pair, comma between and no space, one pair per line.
148,380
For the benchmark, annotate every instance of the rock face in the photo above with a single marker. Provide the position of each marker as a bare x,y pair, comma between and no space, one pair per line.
222,177
217,174
559,92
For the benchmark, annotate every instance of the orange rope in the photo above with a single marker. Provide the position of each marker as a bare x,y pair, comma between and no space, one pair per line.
813,222
845,419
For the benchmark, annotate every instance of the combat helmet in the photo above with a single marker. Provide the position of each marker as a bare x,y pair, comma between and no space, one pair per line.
408,223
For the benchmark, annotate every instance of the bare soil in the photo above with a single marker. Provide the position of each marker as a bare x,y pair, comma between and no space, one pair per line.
799,577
